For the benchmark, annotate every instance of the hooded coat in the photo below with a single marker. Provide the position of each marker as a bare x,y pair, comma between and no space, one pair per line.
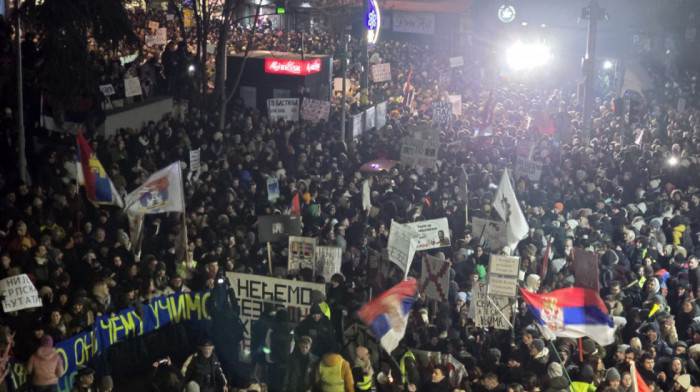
45,366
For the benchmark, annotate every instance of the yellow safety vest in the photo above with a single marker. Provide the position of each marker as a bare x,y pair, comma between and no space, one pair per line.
332,377
402,363
365,384
325,309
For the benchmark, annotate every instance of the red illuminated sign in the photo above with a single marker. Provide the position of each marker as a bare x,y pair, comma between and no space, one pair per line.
292,67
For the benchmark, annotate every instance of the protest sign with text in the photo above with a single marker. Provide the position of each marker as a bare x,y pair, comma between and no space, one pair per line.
314,110
402,245
381,72
434,233
286,109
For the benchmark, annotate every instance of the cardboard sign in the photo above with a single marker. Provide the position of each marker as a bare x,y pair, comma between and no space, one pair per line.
442,113
286,109
381,72
504,265
273,189
456,101
107,90
328,259
419,152
380,115
150,40
494,235
162,36
402,245
433,233
18,292
485,313
314,110
195,159
301,253
276,228
435,278
338,84
132,87
370,118
527,168
456,62
153,24
413,22
253,291
506,287
169,17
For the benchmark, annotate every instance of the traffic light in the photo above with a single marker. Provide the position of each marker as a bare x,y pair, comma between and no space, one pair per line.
635,114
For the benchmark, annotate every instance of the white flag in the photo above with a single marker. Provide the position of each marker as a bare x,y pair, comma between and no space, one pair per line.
506,204
161,192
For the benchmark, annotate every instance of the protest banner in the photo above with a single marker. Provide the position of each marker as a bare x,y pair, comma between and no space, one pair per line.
411,22
253,291
494,233
107,90
356,124
527,168
381,72
585,266
273,189
275,228
428,360
488,315
370,118
301,253
162,36
434,233
195,159
504,265
435,278
150,40
328,260
314,110
401,246
442,113
132,87
506,287
18,292
419,152
286,109
380,115
456,101
456,61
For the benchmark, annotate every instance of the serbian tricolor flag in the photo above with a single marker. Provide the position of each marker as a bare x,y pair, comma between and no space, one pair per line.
638,383
98,187
387,315
572,312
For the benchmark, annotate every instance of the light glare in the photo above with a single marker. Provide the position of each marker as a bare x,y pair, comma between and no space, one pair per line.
522,56
607,64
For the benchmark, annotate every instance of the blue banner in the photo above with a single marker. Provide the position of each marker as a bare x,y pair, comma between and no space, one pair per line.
108,330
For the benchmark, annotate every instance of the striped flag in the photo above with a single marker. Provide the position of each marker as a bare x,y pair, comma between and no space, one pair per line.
387,315
98,187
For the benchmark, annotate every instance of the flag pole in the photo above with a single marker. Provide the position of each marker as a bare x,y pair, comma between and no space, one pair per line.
184,214
500,312
563,367
269,256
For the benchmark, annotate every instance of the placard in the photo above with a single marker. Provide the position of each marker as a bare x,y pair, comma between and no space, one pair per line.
456,101
338,84
435,278
503,286
188,15
276,228
273,189
195,161
132,87
504,265
107,90
419,152
169,17
253,291
456,61
328,259
286,109
301,254
494,235
18,292
527,168
162,36
356,125
434,233
211,48
381,72
370,118
314,110
410,22
485,313
402,246
380,115
150,40
442,113
152,24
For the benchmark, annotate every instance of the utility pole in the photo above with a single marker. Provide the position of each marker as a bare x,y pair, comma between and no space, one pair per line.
20,102
346,40
593,13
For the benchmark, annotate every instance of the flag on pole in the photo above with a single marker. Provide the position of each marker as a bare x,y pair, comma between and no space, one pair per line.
161,192
90,172
573,312
638,383
506,204
387,315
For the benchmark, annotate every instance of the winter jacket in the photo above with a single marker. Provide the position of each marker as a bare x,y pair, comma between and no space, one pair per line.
331,361
558,384
45,366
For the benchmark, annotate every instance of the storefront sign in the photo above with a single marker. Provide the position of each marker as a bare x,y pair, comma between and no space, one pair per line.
292,67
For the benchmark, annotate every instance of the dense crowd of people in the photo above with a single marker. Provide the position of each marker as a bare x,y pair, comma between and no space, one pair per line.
630,197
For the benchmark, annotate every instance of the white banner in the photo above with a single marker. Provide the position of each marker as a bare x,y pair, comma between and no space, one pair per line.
301,253
328,259
195,161
456,101
527,168
401,246
286,109
434,233
381,72
410,22
18,292
132,87
427,360
380,115
435,278
314,110
456,61
488,315
370,118
253,291
494,235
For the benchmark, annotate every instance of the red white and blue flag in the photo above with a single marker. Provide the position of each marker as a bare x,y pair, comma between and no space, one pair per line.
572,312
98,187
387,315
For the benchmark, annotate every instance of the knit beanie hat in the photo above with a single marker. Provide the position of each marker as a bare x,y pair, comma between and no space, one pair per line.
554,370
106,383
538,344
612,375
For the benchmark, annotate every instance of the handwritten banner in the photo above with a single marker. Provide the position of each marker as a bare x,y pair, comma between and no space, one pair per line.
18,292
286,109
381,72
314,110
408,22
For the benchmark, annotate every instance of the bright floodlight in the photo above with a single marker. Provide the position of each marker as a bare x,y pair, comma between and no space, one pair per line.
607,64
522,56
